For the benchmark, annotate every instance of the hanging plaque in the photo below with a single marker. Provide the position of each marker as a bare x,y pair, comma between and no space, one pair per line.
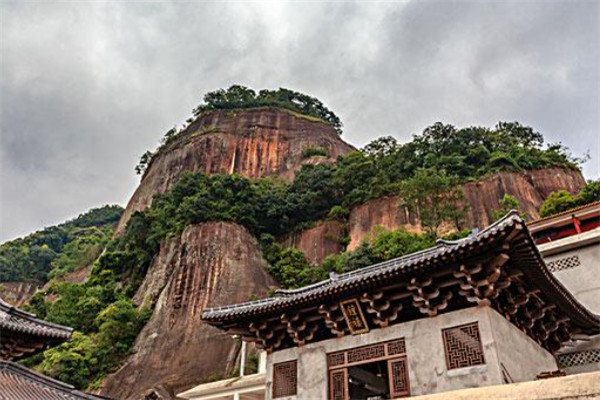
354,316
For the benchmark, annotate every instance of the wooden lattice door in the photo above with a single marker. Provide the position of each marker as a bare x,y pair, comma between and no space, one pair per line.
338,384
398,374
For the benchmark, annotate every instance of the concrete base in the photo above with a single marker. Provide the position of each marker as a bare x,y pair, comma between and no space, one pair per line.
575,387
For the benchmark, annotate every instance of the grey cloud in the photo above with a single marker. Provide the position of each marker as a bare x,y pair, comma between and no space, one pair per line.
89,86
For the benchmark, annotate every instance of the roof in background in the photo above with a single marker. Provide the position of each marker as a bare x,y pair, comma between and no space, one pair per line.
18,321
20,383
540,223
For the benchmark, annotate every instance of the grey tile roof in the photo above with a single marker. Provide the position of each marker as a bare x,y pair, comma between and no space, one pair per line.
18,321
19,383
419,263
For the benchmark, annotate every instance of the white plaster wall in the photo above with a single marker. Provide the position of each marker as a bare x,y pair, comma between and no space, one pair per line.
426,354
522,357
583,281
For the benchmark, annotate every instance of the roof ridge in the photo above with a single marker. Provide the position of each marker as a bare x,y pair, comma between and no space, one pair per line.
17,312
46,381
511,217
566,212
35,376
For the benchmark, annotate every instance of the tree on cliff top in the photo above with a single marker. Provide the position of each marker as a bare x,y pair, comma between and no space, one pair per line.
560,201
238,96
436,197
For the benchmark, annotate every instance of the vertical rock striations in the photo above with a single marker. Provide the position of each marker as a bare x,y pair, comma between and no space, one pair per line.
210,264
482,196
253,143
319,241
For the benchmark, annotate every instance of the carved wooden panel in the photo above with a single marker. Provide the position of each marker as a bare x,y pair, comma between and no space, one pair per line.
463,346
366,353
338,384
398,373
285,379
396,347
338,358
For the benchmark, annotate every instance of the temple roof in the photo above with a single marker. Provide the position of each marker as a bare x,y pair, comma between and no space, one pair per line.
24,334
502,255
19,383
422,262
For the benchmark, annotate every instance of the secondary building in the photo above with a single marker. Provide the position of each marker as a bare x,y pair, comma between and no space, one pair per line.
570,245
23,335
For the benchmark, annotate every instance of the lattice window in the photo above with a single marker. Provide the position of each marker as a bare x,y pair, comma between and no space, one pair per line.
463,346
334,359
398,370
366,353
285,379
337,384
564,263
396,347
579,358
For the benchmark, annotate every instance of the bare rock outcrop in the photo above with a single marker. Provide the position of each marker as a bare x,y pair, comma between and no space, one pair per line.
319,241
210,264
253,143
482,196
17,293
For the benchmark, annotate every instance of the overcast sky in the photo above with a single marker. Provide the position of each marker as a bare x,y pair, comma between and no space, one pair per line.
87,87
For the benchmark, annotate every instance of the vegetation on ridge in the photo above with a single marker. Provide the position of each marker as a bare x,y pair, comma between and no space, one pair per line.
562,200
60,249
242,97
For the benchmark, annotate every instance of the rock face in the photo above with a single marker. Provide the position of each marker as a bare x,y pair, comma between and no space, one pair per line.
253,143
530,189
319,241
210,264
17,293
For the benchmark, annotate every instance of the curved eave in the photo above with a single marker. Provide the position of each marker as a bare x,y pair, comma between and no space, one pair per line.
18,321
510,229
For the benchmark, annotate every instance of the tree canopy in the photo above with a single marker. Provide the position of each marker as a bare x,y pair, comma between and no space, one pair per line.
238,96
562,200
31,258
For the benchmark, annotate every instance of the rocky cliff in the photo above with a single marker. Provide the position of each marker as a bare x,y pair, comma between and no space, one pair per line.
17,293
482,196
210,264
253,143
319,241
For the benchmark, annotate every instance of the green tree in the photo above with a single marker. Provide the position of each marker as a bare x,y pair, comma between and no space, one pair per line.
436,197
557,202
396,243
506,203
72,362
590,193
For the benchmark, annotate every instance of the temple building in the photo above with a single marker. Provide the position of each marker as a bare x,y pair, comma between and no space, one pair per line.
23,335
483,310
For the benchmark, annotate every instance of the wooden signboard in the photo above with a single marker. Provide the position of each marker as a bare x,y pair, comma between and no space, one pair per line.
354,316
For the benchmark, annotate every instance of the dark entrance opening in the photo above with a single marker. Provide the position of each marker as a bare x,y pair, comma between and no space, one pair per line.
369,381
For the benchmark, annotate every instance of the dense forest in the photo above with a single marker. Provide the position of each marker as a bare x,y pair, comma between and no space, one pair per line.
424,171
57,250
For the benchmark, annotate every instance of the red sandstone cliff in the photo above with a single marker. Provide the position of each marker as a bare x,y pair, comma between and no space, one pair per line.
482,196
253,143
319,241
209,265
17,293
